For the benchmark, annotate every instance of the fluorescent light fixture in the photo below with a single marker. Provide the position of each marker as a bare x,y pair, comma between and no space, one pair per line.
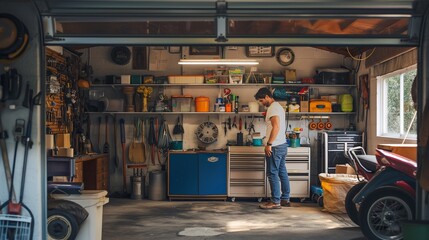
218,62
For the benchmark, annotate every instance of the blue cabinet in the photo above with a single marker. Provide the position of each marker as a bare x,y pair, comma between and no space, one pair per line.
183,170
212,174
197,174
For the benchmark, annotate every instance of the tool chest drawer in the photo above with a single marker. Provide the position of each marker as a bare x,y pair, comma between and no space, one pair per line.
247,172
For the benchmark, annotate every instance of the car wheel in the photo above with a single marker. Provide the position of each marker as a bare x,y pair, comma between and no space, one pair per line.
382,212
61,225
351,207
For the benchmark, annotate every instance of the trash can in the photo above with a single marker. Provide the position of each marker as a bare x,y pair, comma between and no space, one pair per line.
335,188
416,230
93,202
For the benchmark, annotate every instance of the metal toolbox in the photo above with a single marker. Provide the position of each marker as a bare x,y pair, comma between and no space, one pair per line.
247,173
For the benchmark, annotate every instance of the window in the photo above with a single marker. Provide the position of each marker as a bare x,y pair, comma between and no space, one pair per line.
395,106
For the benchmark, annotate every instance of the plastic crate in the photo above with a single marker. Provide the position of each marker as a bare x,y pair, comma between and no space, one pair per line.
181,103
15,227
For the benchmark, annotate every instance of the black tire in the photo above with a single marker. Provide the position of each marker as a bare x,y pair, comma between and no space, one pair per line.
351,207
382,212
61,225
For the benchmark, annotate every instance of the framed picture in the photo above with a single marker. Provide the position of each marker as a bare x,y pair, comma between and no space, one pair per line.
174,49
259,51
203,50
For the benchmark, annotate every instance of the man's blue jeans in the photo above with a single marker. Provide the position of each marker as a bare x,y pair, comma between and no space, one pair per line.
277,173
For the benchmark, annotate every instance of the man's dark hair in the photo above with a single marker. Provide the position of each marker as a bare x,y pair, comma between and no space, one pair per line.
262,93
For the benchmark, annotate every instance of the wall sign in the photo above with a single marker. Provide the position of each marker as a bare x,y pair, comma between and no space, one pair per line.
203,50
259,51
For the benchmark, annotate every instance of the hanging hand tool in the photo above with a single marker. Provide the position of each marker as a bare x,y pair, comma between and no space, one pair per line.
88,143
124,162
114,141
99,135
240,124
234,125
229,123
5,156
245,123
224,127
106,147
29,101
18,134
152,139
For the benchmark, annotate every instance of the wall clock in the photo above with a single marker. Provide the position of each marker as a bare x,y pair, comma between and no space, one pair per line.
285,56
120,55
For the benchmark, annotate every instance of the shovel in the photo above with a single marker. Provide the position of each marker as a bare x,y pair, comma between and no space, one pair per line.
136,151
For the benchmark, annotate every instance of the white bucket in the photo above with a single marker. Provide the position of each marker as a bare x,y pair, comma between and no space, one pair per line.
93,202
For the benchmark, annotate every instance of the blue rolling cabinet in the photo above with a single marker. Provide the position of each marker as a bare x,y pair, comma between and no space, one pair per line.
199,175
183,172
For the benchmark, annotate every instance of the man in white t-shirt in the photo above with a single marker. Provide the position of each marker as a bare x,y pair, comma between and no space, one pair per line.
275,151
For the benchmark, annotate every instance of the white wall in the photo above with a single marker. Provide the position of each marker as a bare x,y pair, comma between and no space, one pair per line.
307,60
28,66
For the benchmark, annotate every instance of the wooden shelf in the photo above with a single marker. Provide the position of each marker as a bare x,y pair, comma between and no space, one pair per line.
221,113
227,85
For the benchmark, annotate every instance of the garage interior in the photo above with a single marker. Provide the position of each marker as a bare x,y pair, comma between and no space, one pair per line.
122,117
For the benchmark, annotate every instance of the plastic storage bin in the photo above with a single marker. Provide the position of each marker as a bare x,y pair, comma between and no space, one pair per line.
188,79
181,103
93,202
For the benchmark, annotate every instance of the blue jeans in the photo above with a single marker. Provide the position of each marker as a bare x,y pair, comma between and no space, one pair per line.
277,173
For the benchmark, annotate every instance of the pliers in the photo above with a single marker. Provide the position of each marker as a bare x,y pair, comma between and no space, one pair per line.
235,122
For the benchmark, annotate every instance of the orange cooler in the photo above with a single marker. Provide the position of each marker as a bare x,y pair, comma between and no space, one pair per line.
202,104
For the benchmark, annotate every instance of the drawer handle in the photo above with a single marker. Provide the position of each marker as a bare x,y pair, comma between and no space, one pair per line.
213,159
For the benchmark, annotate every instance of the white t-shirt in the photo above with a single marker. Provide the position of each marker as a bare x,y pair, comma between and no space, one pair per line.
275,109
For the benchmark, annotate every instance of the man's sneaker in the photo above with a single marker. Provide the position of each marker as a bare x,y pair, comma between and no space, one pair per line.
285,203
270,205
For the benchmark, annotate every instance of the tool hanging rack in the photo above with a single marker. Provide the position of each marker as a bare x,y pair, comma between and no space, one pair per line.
61,91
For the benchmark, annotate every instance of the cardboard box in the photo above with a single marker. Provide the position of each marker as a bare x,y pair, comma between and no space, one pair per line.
63,140
125,79
344,169
304,106
65,152
290,75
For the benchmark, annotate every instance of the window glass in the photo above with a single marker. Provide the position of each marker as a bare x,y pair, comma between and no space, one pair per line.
396,114
320,26
134,26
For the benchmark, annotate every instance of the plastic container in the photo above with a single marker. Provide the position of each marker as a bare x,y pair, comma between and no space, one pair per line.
202,104
228,107
181,103
346,101
93,202
294,142
188,79
257,142
253,107
176,145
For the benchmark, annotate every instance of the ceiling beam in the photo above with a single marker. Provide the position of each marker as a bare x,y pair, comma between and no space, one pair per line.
277,41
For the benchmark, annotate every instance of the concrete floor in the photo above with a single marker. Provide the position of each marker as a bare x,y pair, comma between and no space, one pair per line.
146,219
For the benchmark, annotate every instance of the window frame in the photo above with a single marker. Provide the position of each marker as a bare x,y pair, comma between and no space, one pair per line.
381,121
